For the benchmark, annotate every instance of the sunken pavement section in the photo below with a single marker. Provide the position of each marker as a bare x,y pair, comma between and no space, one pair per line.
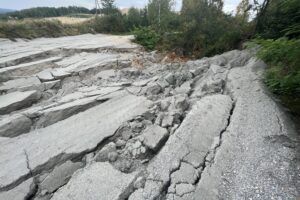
96,117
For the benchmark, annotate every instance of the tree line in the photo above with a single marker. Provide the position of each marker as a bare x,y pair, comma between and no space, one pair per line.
201,28
41,12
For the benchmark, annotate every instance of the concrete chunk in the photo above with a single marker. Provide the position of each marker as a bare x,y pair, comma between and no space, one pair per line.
60,73
153,136
55,114
45,76
106,74
205,121
27,69
68,138
12,126
31,83
21,192
97,181
17,100
59,176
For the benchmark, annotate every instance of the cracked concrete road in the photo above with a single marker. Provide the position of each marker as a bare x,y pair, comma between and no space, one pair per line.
259,158
95,117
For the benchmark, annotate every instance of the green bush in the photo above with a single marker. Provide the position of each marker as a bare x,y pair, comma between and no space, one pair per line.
112,23
147,37
283,59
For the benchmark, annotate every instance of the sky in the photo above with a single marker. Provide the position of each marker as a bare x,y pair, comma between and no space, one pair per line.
229,5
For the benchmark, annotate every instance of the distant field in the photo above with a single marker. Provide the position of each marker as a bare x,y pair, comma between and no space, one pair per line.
70,20
46,27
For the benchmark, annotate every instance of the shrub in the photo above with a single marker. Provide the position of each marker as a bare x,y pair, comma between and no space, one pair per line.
283,59
112,23
147,37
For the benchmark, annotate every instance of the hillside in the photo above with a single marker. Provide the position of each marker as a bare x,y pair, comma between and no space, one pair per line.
3,10
41,12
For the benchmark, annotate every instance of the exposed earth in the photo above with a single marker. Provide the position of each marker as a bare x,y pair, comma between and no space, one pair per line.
95,117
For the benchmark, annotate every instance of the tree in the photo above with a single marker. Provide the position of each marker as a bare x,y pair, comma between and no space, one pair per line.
242,10
108,6
206,30
134,18
277,18
218,4
160,12
41,12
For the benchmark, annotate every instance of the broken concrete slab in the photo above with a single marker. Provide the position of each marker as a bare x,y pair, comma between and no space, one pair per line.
27,69
59,176
21,192
154,136
185,174
211,83
17,100
167,121
45,76
153,89
71,97
246,164
54,114
202,152
102,155
51,85
141,83
14,53
12,126
60,73
93,183
31,83
183,188
196,134
106,74
43,149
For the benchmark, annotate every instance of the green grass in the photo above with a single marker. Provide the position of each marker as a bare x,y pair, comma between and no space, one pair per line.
147,37
283,59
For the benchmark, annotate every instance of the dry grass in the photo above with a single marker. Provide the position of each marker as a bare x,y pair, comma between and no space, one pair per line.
69,20
34,28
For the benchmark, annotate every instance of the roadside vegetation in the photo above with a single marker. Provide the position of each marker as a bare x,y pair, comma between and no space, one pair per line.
200,28
278,36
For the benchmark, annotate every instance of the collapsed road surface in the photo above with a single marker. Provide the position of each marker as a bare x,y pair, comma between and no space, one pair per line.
95,117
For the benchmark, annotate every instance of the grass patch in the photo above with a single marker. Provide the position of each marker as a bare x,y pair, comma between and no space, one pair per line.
283,59
146,36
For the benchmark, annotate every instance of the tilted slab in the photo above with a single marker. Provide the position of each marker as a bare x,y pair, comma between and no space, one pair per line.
45,75
21,192
191,143
13,53
17,100
78,134
27,69
259,155
94,62
212,82
97,181
30,83
12,126
52,115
